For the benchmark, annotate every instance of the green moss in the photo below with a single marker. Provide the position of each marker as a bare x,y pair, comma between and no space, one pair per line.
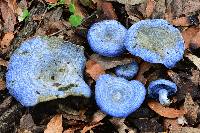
156,39
68,87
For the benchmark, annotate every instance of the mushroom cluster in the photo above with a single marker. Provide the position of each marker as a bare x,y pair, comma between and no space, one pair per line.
43,68
155,41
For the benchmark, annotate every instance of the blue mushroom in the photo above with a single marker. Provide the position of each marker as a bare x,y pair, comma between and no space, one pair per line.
155,41
43,68
117,96
107,38
127,71
161,89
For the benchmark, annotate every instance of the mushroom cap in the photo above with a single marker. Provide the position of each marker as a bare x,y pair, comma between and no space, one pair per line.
107,38
42,69
155,41
127,71
156,85
117,96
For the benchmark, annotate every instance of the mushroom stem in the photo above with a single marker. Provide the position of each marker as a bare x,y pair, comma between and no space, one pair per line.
163,93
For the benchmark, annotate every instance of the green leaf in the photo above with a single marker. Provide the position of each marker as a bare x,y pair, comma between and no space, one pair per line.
75,20
72,8
62,2
24,16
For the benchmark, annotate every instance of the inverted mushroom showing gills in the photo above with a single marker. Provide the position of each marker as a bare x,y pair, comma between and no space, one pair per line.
43,68
155,41
107,38
160,89
127,71
117,96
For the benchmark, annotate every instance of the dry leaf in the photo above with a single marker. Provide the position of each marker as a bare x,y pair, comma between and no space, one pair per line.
182,21
51,1
184,86
94,69
171,125
190,6
159,10
5,42
26,123
108,62
89,128
189,130
108,10
98,116
2,84
121,126
79,10
194,59
165,111
12,5
145,66
191,108
195,41
129,2
188,34
150,7
3,62
55,125
195,78
8,16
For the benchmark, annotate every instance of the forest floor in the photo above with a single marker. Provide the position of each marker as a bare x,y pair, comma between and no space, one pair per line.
23,19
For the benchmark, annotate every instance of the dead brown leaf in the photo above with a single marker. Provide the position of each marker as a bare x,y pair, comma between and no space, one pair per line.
89,128
191,108
79,11
159,10
184,86
182,21
121,126
108,62
26,123
129,2
8,16
3,62
13,5
195,78
98,116
195,41
52,1
171,125
190,6
5,42
194,59
150,7
108,10
2,84
188,34
55,125
145,66
94,69
189,130
165,111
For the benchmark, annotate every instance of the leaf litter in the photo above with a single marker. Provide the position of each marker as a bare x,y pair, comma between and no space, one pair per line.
183,113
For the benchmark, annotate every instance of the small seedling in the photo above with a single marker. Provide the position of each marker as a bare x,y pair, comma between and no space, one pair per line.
24,16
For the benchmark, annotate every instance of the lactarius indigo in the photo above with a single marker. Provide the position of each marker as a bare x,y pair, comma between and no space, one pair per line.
117,96
43,68
107,38
160,89
127,71
155,41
